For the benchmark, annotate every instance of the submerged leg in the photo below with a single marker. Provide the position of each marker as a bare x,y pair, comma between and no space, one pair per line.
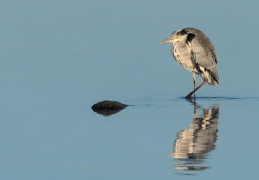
189,96
194,82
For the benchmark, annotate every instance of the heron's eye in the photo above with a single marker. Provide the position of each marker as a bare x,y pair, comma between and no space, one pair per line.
173,33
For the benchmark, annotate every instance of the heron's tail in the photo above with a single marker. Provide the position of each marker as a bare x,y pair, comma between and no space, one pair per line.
211,76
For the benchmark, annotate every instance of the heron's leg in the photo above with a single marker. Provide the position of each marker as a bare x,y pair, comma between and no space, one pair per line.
189,96
194,82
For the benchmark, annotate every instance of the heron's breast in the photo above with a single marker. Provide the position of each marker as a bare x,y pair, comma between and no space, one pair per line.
182,56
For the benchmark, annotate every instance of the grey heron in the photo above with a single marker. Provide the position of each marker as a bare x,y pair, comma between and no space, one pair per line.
193,50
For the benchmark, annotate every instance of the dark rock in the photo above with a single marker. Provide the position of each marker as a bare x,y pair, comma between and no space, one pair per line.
108,108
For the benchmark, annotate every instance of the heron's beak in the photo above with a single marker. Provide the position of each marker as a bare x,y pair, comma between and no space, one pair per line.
168,40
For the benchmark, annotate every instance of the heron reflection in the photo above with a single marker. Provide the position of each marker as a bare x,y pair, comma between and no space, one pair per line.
193,144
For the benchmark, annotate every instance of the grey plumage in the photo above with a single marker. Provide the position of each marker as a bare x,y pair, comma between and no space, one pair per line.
193,50
204,53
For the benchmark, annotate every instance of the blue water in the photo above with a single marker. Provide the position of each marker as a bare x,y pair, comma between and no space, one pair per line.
58,58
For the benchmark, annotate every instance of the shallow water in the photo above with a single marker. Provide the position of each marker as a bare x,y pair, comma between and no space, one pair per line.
160,138
59,58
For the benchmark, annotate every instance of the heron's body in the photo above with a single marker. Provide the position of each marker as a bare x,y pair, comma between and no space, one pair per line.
193,50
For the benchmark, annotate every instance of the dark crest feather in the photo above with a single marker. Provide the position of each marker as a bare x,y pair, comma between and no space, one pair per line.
190,37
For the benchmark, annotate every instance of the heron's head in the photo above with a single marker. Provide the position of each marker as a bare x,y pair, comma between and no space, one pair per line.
176,35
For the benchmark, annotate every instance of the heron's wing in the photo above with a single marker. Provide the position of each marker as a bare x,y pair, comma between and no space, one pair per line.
203,52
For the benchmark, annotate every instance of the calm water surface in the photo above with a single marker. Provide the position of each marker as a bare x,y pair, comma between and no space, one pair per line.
58,58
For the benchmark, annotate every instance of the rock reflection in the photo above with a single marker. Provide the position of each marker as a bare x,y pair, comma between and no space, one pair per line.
192,145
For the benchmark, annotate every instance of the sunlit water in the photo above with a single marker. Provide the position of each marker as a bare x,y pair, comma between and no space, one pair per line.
58,58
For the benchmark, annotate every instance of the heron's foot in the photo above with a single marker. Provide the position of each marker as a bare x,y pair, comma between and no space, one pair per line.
189,96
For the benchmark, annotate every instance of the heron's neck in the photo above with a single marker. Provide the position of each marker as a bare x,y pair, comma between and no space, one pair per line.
178,44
